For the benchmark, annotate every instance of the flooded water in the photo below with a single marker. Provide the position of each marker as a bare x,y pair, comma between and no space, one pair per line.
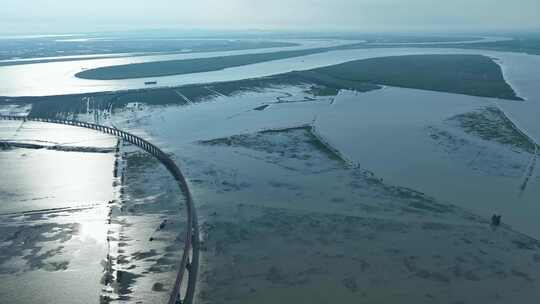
328,224
53,257
57,135
58,78
387,132
284,192
53,211
47,179
36,179
39,79
221,117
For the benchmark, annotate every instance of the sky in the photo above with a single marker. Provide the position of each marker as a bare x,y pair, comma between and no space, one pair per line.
57,16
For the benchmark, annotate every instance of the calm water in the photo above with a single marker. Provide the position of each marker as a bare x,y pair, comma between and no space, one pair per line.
77,186
45,179
384,131
48,78
522,71
387,132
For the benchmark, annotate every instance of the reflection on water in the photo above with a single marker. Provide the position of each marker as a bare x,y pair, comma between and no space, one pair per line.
53,257
58,77
66,226
53,214
46,179
56,134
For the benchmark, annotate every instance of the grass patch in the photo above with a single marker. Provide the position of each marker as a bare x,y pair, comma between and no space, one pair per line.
187,66
464,74
490,124
272,141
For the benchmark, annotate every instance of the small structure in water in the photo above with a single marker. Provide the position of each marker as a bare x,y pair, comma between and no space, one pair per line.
261,108
150,82
496,220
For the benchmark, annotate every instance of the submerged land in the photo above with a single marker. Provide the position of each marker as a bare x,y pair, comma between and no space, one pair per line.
356,183
372,242
463,74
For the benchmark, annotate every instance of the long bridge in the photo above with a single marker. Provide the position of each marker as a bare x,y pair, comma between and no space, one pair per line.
190,257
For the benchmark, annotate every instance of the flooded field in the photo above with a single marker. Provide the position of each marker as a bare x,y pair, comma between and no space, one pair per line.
42,178
304,193
54,206
79,215
146,234
352,238
58,78
328,212
427,143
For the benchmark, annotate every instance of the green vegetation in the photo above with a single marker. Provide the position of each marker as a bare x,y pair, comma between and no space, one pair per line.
51,47
264,141
187,66
68,106
492,125
464,74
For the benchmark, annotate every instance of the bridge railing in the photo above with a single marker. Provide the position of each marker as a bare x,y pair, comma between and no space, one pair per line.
190,255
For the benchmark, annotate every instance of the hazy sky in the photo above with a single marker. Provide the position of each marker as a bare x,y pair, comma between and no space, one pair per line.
43,16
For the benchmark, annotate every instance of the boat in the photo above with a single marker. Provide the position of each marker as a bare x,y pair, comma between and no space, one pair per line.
150,82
